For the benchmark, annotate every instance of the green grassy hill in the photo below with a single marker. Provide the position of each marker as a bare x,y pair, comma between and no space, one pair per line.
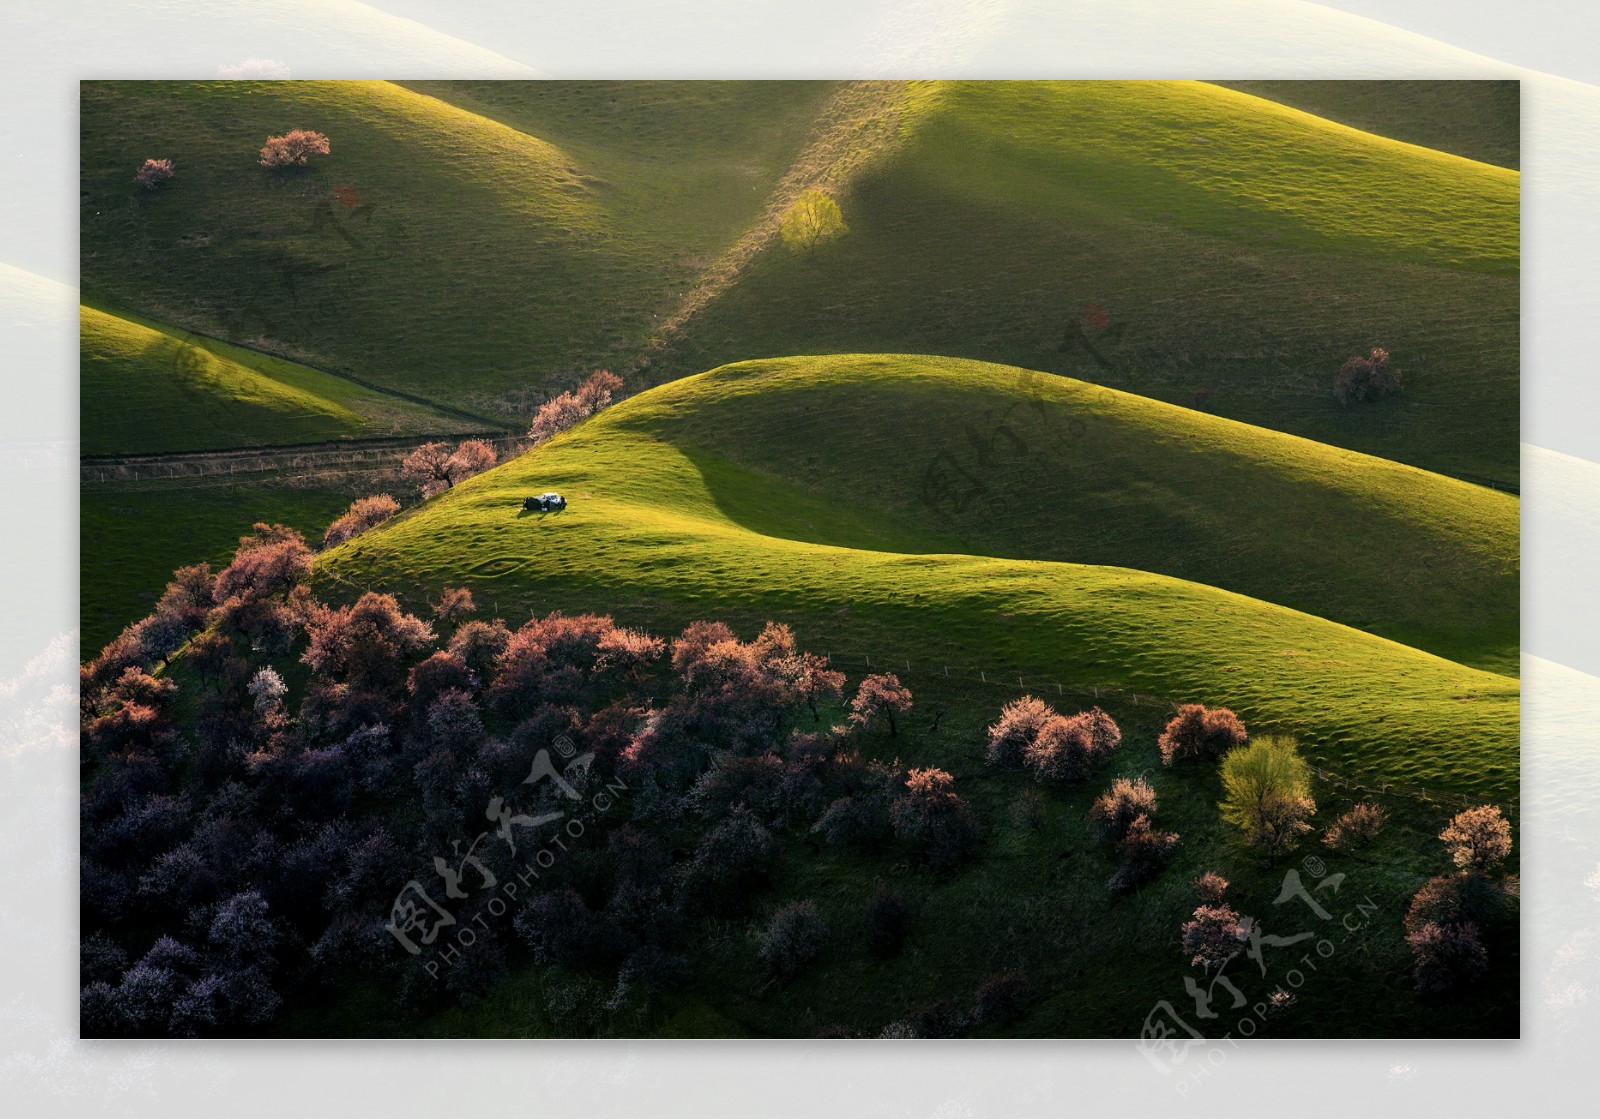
150,388
1208,245
997,461
685,163
664,528
433,250
1129,485
184,521
484,244
1480,120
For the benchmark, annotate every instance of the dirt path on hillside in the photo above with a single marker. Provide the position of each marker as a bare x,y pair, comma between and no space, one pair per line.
861,123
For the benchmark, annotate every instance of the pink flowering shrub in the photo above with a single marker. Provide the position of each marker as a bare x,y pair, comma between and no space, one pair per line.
363,514
294,149
560,413
880,697
435,467
1366,379
154,173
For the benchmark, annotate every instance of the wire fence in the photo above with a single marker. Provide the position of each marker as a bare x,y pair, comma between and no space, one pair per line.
1010,681
365,457
1045,687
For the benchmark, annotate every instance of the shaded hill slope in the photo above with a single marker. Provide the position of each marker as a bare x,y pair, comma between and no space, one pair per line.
1178,240
149,388
650,536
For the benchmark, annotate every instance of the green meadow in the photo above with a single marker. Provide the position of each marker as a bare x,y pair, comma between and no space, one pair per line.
179,522
668,529
1054,416
436,251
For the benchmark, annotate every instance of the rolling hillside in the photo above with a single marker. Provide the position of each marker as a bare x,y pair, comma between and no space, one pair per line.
434,250
997,461
664,530
1181,241
149,388
1480,120
483,245
1123,481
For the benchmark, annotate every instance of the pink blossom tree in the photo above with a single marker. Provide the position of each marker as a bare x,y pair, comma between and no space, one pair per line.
1114,811
1212,936
454,606
1200,732
154,173
1356,827
1478,839
812,679
1014,732
366,643
880,697
471,457
479,645
261,594
934,818
435,467
1145,850
293,149
628,652
1211,888
1067,749
560,413
1366,378
363,514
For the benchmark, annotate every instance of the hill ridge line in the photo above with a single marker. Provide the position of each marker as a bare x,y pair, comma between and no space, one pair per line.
860,124
184,334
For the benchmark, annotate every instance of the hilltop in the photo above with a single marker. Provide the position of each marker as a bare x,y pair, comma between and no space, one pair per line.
996,461
434,250
1480,120
664,529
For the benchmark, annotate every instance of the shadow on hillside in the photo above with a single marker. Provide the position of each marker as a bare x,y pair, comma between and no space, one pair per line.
775,507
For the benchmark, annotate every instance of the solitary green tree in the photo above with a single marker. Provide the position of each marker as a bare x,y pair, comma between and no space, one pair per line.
1268,793
813,219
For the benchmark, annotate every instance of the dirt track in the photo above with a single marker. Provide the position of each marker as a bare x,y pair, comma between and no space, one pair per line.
344,456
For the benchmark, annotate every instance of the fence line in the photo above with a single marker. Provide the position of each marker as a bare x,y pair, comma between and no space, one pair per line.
1044,685
1003,680
356,458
